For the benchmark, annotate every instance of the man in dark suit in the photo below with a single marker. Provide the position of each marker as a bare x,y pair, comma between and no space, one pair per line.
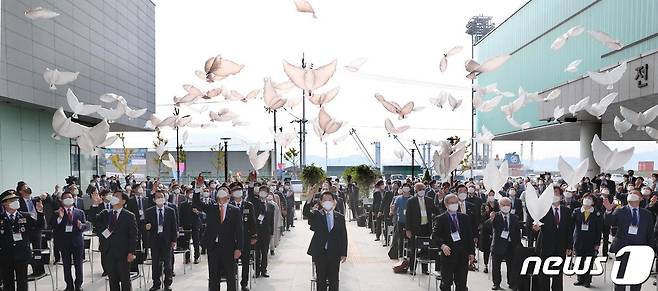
250,232
138,205
328,247
452,233
190,221
385,209
516,205
223,238
265,228
377,197
506,238
162,229
554,238
15,240
68,225
570,200
634,227
588,225
34,231
470,209
419,214
117,234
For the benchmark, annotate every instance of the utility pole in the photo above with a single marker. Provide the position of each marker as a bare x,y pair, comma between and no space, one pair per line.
413,151
274,156
225,139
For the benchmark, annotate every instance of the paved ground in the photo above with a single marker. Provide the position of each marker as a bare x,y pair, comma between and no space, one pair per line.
367,268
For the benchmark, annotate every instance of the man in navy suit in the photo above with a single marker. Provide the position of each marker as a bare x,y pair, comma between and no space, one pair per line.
634,227
223,238
328,247
162,227
588,226
68,225
29,205
506,238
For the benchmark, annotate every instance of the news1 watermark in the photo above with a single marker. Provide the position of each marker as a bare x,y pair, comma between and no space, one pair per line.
638,267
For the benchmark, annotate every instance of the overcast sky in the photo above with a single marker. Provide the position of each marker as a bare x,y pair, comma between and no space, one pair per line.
403,41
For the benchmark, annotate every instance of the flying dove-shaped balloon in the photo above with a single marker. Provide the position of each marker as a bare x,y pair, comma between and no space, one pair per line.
439,100
572,175
599,108
111,115
514,106
55,77
558,112
399,154
554,94
621,126
609,78
133,113
606,39
304,6
475,69
222,115
580,105
236,96
447,158
395,108
285,138
538,206
93,137
483,137
321,99
516,124
78,107
108,141
257,161
573,66
561,40
639,119
218,68
443,65
488,105
309,79
40,13
495,178
160,149
170,162
356,64
64,127
608,159
454,102
388,124
325,124
273,100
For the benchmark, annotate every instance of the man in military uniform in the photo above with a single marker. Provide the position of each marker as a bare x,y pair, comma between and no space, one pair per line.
15,240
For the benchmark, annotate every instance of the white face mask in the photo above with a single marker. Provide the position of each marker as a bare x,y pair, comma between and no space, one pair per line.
177,191
160,201
471,190
462,196
421,193
556,199
114,200
505,209
646,192
491,198
327,205
588,202
270,198
237,194
206,194
67,201
262,194
568,194
286,187
15,205
453,207
512,193
406,189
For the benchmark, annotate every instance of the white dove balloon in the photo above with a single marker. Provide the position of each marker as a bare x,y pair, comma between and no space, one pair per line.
609,78
40,13
160,149
580,105
236,96
55,77
483,137
273,100
170,162
514,106
573,66
393,107
639,119
621,126
561,40
651,132
132,113
78,107
112,115
448,157
325,124
495,178
399,154
257,161
606,39
108,141
474,68
558,112
309,79
93,137
516,124
608,159
554,94
222,115
487,106
285,138
598,109
572,175
443,66
388,124
304,6
439,100
324,98
218,68
64,127
454,103
538,206
340,139
111,98
356,64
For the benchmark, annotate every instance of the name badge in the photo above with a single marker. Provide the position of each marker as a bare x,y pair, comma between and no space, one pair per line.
261,217
584,227
513,211
69,228
632,230
455,236
18,237
141,213
504,234
246,211
107,233
160,228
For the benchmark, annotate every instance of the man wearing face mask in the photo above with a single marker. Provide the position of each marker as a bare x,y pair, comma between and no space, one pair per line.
29,205
223,238
570,201
469,209
385,207
190,221
400,212
634,227
588,226
138,205
265,228
116,229
328,247
290,204
162,227
486,212
250,232
176,197
506,234
68,225
419,214
377,196
554,238
452,233
353,197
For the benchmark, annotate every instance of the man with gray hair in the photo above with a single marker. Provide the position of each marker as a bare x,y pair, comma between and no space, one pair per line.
506,238
420,210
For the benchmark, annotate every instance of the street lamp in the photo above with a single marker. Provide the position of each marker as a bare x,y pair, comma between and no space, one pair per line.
226,139
179,147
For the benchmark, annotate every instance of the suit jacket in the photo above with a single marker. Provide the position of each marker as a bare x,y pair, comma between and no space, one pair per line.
517,208
573,204
248,219
499,245
18,251
227,236
169,232
264,227
189,219
335,240
74,238
442,230
621,218
554,240
23,208
376,201
123,239
473,212
414,216
585,240
133,206
386,203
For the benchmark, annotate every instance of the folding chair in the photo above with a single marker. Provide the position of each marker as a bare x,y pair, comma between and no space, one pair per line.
184,250
314,278
422,244
43,255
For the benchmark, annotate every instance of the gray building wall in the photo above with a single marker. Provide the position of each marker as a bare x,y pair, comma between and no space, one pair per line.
111,44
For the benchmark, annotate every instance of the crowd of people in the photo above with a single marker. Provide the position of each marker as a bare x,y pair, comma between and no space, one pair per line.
461,218
146,220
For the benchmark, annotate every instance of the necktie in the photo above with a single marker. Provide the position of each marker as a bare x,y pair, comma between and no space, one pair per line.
12,217
635,218
221,213
30,207
455,223
586,215
330,222
556,214
463,207
505,227
113,220
70,215
160,217
139,202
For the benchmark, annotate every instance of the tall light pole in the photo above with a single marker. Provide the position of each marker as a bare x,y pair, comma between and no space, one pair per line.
226,139
178,145
413,151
